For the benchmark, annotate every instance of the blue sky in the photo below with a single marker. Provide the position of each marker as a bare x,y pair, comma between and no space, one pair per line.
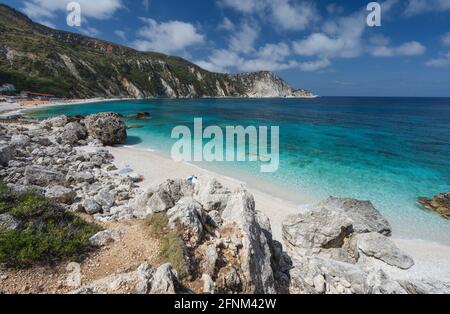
325,46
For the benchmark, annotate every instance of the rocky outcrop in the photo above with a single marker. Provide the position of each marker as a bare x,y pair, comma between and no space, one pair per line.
334,246
76,173
107,127
439,204
228,242
377,246
365,217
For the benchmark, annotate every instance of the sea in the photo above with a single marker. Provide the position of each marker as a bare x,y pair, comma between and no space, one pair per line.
387,150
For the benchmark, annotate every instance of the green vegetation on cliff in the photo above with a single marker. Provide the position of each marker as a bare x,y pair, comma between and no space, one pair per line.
37,58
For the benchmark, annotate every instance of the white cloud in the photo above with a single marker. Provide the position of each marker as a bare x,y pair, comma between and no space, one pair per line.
341,38
314,65
244,6
226,25
285,14
98,9
441,62
446,39
412,48
291,16
89,31
167,37
121,34
276,52
416,7
319,44
244,39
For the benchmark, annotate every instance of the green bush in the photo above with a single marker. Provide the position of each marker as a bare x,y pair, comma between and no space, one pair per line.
47,233
172,247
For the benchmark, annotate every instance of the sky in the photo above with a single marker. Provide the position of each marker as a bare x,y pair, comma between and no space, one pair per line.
324,46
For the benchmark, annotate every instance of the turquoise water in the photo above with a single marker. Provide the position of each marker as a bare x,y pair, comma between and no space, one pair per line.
387,150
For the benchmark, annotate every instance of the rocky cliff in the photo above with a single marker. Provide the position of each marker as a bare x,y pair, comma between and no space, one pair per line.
35,57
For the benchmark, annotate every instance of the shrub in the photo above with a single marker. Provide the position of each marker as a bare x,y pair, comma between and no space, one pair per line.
172,247
47,234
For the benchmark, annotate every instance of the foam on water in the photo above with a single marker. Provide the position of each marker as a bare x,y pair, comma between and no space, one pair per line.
387,150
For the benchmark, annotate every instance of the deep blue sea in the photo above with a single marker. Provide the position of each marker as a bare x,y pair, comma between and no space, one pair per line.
386,150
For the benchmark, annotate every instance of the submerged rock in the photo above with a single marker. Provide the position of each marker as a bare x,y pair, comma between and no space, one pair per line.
439,204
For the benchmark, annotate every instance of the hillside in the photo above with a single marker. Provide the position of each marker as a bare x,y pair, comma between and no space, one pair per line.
37,58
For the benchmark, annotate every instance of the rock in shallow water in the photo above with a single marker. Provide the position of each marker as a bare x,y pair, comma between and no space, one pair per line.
439,204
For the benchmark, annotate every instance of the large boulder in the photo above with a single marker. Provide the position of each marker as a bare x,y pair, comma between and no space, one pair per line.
379,247
60,194
316,275
337,246
162,197
56,122
20,140
365,217
72,133
211,194
188,214
41,176
239,220
164,281
319,232
107,127
6,154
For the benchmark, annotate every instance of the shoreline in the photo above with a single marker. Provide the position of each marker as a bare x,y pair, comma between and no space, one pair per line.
137,164
432,258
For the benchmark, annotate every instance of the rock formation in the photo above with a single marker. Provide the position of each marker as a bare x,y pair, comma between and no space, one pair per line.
439,204
334,246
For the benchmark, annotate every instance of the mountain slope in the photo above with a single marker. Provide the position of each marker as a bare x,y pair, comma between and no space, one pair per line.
37,58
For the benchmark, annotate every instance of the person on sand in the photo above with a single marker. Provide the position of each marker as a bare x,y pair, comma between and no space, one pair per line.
192,179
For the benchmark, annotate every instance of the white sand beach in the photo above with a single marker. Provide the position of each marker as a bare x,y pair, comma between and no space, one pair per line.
432,259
